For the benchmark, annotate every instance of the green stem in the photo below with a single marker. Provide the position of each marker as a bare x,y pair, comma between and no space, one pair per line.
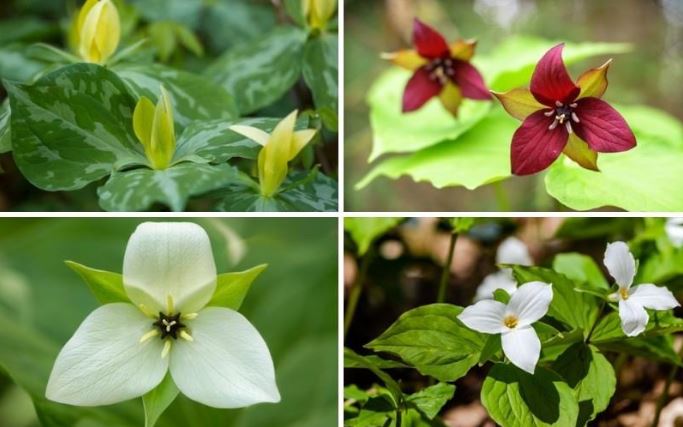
501,196
445,273
355,292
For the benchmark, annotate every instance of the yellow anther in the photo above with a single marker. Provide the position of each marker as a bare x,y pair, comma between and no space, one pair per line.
510,321
166,349
187,337
623,293
148,335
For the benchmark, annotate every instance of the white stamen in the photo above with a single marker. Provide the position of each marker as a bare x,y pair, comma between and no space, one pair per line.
561,118
575,117
148,335
558,104
573,105
169,325
189,316
553,125
568,125
549,113
187,337
166,349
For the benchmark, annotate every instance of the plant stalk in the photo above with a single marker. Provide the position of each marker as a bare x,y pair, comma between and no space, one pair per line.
445,273
356,291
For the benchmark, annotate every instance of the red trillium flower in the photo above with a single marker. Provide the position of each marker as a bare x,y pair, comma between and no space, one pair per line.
439,70
560,116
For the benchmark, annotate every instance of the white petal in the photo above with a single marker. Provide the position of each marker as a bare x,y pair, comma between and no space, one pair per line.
523,348
653,297
104,362
620,263
169,258
633,317
227,365
530,302
674,230
498,280
485,316
513,251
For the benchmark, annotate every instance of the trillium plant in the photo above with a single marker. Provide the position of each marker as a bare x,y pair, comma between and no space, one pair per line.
165,325
545,339
122,113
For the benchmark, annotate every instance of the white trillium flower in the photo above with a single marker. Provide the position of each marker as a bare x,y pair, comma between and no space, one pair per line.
674,231
633,300
513,321
510,251
122,350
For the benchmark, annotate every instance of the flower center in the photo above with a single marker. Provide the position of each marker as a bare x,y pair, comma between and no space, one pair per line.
169,325
441,69
511,321
564,115
623,293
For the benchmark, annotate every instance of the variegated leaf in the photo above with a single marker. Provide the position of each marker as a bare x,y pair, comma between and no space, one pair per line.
194,97
73,126
260,72
320,72
140,189
5,136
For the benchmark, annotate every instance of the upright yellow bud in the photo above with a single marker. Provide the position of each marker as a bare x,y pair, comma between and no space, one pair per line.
99,30
279,148
318,12
153,125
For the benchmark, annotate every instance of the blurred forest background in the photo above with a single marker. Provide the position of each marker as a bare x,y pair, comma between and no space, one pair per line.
650,74
293,304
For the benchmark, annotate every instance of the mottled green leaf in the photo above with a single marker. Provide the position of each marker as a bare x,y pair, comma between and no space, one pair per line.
194,97
72,127
514,398
106,286
227,24
156,401
5,127
364,230
140,189
231,288
320,73
259,72
434,341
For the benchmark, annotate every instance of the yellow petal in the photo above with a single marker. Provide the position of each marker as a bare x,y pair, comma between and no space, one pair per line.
163,132
273,158
519,102
593,82
83,13
100,32
577,150
255,134
408,59
463,49
451,98
301,138
143,117
319,12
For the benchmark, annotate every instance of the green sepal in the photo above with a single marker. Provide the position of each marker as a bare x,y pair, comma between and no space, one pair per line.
158,400
231,288
106,286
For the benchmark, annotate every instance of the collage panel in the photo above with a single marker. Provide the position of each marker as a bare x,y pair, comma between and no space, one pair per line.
169,105
513,106
484,322
130,322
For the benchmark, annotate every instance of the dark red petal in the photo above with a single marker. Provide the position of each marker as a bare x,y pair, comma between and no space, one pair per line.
428,42
420,89
469,80
534,146
550,81
602,127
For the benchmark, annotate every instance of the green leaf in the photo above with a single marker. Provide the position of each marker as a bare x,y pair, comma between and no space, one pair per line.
515,398
591,376
355,360
156,401
260,72
463,161
647,176
660,322
576,309
140,189
430,400
17,65
364,230
231,288
460,224
194,97
320,73
227,24
72,127
295,11
5,129
434,341
580,268
106,286
656,348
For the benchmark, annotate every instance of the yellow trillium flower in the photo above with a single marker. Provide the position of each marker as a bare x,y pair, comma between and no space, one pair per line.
153,125
318,12
98,30
279,148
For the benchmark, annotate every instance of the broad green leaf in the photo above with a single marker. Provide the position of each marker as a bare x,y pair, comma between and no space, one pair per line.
5,129
72,127
364,230
576,309
591,376
377,411
579,228
194,97
106,286
647,176
156,401
187,12
140,189
298,194
16,65
433,340
660,322
231,288
657,348
479,156
320,73
580,268
260,72
430,400
26,28
226,24
514,398
354,360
